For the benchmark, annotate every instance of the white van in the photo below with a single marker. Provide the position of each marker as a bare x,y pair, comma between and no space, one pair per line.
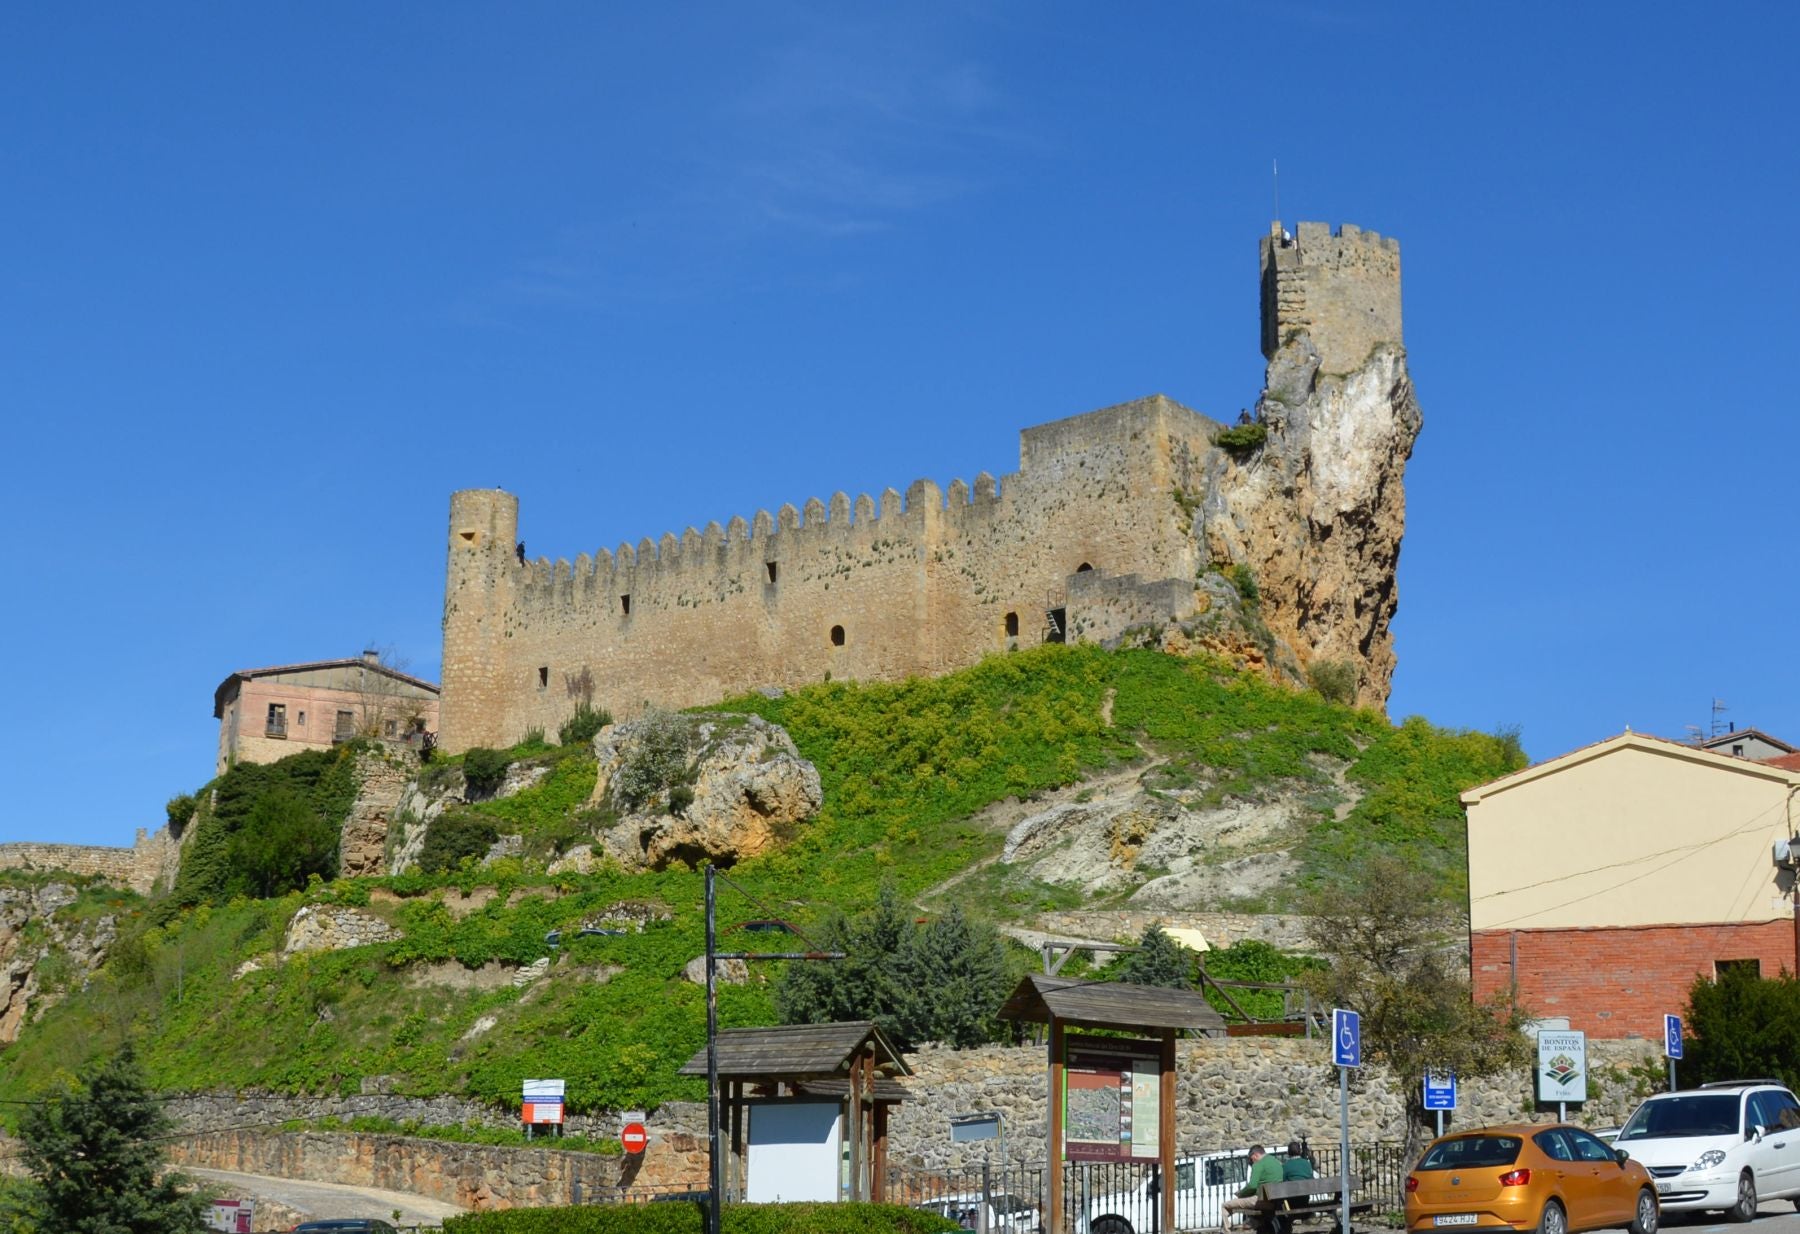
1725,1147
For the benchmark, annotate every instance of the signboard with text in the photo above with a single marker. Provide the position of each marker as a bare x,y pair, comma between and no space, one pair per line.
1112,1100
1440,1090
1562,1066
543,1102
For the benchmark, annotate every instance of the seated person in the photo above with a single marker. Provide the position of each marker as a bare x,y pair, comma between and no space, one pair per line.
1263,1169
1297,1165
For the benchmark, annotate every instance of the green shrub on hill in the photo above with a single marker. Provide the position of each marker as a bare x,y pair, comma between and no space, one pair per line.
484,770
580,728
452,837
255,814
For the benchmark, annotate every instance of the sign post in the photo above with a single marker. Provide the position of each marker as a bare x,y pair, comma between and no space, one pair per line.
1672,1044
1440,1094
1562,1069
1346,1052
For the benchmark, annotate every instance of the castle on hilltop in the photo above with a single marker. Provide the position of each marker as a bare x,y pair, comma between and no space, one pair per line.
1120,520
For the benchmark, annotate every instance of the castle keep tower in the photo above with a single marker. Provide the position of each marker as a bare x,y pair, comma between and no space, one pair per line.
1343,290
479,588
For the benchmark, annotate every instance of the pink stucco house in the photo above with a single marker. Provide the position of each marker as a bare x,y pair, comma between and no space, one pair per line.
266,714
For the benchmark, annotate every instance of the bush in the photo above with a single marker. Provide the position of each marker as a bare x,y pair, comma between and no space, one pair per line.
1244,579
282,843
657,765
1743,1025
689,1219
1335,680
181,809
579,729
453,835
1242,439
484,770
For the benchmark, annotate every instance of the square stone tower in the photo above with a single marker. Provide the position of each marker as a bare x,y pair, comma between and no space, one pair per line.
1342,289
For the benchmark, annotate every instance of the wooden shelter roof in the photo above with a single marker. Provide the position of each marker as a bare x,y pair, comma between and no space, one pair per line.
1110,1004
798,1052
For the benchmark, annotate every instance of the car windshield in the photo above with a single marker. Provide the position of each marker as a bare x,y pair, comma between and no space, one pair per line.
1695,1114
1471,1151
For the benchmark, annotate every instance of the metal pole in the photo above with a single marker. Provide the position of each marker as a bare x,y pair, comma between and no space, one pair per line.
1440,1115
1671,1075
1562,1111
1344,1148
715,1175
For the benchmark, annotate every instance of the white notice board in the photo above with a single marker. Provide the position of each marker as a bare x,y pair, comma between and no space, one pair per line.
794,1152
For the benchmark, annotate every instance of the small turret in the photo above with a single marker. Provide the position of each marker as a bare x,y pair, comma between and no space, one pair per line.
1342,289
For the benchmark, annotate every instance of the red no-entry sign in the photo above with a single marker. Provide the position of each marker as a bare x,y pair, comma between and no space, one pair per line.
634,1137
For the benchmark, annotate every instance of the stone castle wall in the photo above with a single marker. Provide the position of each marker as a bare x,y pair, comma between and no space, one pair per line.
915,585
1342,289
1096,527
150,860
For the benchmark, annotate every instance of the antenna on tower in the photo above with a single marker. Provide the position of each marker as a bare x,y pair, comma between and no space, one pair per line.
1275,175
1718,709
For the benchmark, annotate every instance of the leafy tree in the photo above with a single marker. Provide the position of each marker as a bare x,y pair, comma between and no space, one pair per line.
94,1154
1743,1025
454,835
1160,960
940,982
1389,934
282,842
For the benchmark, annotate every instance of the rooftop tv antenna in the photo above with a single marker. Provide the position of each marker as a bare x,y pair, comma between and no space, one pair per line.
1718,725
1275,177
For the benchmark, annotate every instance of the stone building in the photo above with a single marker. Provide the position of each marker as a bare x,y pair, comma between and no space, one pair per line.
1119,520
266,714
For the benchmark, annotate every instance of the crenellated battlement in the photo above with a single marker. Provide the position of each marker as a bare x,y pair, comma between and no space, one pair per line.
1341,288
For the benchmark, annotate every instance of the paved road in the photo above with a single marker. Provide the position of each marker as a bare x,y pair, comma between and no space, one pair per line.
321,1200
1774,1217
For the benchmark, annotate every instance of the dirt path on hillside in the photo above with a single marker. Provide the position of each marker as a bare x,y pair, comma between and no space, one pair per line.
319,1201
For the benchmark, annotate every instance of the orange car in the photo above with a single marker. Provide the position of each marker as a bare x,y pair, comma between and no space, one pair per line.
1554,1180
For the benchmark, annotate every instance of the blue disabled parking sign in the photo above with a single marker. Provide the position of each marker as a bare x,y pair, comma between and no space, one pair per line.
1440,1090
1672,1036
1346,1038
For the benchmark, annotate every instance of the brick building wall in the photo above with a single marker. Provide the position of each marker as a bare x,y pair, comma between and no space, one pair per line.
1620,981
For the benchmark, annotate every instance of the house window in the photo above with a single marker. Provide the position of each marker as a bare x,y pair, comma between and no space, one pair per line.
771,568
276,726
543,676
1737,751
1739,968
837,636
1012,625
346,726
300,720
625,606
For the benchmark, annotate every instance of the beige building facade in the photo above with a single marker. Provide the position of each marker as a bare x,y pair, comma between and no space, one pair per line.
266,714
1603,882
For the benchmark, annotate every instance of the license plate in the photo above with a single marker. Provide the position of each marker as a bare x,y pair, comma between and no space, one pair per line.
1457,1219
1663,1188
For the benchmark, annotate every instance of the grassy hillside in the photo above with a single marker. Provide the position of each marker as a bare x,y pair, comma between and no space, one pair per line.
904,767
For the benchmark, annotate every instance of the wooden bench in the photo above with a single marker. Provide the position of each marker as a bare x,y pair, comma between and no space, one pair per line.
1278,1205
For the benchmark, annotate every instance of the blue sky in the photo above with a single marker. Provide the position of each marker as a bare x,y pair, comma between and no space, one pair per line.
275,279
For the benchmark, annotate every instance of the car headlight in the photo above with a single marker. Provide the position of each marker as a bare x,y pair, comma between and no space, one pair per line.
1708,1159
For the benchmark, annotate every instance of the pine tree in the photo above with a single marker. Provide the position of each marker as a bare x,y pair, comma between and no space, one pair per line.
94,1154
1159,960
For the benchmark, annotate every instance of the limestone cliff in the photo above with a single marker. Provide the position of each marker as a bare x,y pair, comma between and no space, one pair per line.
1317,512
44,952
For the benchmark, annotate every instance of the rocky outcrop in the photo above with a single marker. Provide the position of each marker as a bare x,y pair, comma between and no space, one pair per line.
1317,512
382,778
700,788
424,797
322,928
34,940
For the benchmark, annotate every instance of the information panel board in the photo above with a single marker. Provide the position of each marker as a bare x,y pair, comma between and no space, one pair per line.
1112,1099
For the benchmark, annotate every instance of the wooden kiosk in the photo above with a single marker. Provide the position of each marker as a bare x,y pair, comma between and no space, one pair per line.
1129,1081
851,1063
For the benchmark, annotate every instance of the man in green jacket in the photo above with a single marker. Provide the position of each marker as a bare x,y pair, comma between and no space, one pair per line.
1263,1169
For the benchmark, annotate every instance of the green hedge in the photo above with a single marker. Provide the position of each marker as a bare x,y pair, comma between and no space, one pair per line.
686,1218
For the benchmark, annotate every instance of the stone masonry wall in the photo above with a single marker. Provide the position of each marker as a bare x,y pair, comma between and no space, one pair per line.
919,585
139,867
1343,290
